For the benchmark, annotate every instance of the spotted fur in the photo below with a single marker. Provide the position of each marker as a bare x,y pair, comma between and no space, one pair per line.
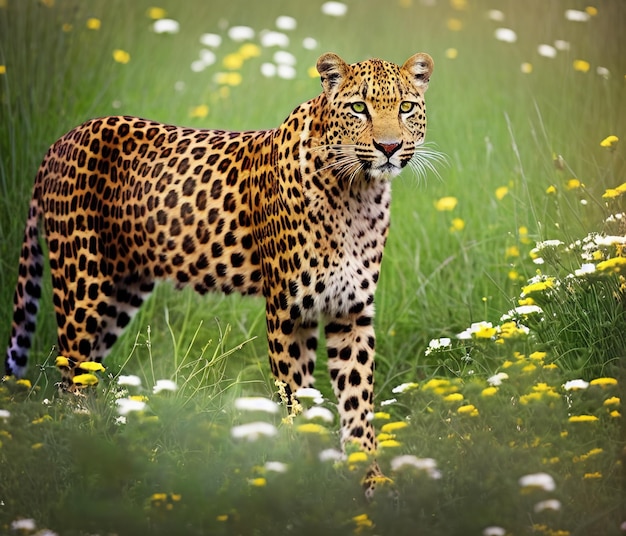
298,214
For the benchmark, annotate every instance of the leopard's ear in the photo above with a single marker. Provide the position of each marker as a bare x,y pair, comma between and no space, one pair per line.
419,67
332,70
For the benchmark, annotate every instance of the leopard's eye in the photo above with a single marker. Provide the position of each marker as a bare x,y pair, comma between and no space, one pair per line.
406,107
358,107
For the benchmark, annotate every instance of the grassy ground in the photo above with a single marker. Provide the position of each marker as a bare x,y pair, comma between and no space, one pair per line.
463,420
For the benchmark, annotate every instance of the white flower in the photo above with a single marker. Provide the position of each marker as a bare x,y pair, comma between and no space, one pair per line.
276,467
318,412
256,403
428,465
547,51
334,9
274,39
475,327
128,405
286,23
130,380
538,480
609,240
23,525
576,15
495,14
287,72
207,57
309,392
309,43
575,385
164,385
211,40
198,66
585,269
438,344
547,244
331,455
240,33
559,44
521,310
404,387
268,69
120,420
496,379
494,531
388,402
549,504
615,217
506,34
4,414
253,430
169,26
282,57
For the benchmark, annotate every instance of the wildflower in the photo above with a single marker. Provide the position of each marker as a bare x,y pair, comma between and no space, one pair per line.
382,415
23,525
542,481
121,56
526,67
317,412
24,383
539,286
494,531
164,385
613,401
547,51
510,330
285,22
169,26
604,382
393,426
582,418
309,43
585,269
457,225
156,13
551,189
334,9
93,23
389,443
574,184
581,66
576,15
405,386
362,522
199,111
615,414
83,380
496,15
593,11
128,405
549,504
506,35
312,428
240,33
276,467
446,203
589,476
91,366
3,69
130,380
211,40
575,385
357,457
311,393
437,344
36,446
258,482
274,39
453,397
523,235
252,431
429,465
609,141
256,403
489,391
42,419
388,402
333,455
451,53
479,330
454,25
496,379
468,409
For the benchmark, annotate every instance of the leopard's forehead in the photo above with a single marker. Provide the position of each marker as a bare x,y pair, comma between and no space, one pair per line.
376,79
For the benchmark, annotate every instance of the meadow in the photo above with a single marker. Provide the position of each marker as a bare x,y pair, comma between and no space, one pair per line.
500,310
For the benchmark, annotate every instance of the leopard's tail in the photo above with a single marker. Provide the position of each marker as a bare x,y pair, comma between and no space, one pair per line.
27,292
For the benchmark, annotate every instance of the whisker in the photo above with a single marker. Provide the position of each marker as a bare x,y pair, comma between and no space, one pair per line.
426,159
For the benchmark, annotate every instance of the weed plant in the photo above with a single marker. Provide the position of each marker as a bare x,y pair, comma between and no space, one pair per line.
500,311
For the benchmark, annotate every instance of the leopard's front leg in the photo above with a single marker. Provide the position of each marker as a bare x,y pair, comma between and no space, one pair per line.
350,342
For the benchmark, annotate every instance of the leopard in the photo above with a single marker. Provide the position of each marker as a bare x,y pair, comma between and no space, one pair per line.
297,214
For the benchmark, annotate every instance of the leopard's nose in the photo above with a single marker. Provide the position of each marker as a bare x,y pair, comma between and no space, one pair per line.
388,149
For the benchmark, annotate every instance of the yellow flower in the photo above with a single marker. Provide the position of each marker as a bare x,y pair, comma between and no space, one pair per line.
613,401
156,13
121,56
387,443
573,184
538,286
454,25
551,189
36,446
609,141
595,475
67,27
42,419
3,69
384,437
457,225
311,428
382,415
468,409
362,521
582,418
62,361
83,380
91,366
582,66
446,203
453,397
529,368
249,50
393,426
537,356
616,264
200,111
485,332
312,72
512,251
228,79
222,517
24,383
604,382
459,4
258,482
93,23
615,414
526,67
489,391
233,61
357,457
451,53
591,10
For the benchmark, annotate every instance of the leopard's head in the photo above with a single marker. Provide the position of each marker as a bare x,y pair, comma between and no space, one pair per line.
375,114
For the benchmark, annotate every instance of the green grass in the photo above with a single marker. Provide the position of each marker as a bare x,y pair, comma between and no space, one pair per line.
74,468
